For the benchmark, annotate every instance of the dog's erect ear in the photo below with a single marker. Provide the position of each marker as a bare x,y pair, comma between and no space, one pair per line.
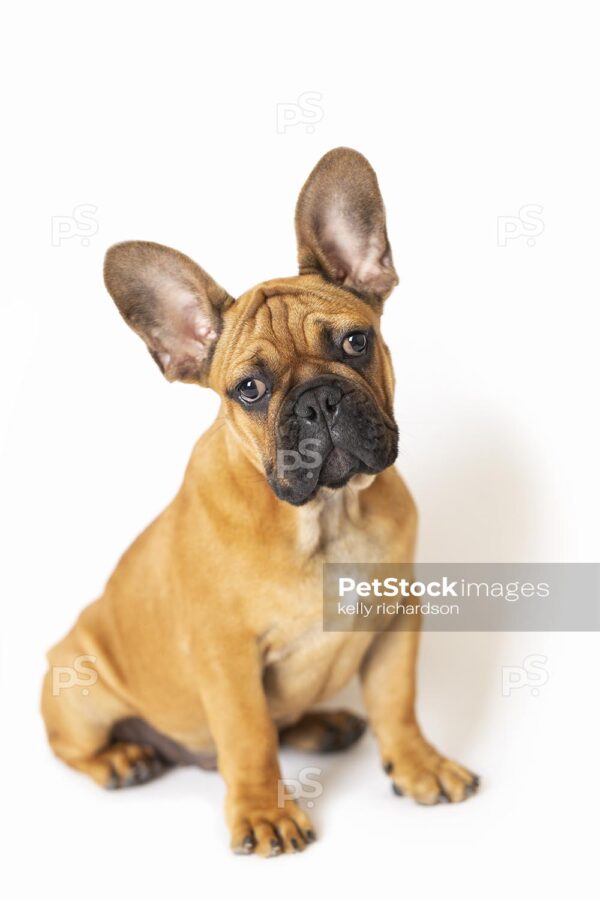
340,226
170,302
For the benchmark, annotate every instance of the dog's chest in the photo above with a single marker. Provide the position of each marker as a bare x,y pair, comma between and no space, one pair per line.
332,527
303,663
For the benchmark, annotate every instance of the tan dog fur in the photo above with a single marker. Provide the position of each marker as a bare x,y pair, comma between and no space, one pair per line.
210,629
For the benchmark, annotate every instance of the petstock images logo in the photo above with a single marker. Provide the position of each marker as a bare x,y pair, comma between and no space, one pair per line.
462,596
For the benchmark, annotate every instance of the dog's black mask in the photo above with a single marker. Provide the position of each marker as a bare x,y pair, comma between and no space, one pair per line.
328,431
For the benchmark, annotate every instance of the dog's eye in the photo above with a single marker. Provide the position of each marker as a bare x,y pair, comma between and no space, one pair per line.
355,344
251,389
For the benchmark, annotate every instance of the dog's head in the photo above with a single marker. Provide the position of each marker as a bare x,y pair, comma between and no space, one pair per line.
305,376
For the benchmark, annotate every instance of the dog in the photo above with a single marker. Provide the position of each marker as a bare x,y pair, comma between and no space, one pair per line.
208,643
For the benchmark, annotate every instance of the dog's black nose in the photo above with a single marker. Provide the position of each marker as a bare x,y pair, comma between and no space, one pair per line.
314,402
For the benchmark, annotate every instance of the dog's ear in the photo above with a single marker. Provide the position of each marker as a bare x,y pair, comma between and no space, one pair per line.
340,226
170,302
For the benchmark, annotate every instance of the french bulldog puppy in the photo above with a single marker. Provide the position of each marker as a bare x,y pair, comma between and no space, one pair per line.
208,642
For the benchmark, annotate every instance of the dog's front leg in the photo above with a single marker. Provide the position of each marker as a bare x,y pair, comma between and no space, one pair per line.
388,677
260,817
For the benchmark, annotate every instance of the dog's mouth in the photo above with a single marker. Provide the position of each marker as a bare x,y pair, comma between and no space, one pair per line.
338,468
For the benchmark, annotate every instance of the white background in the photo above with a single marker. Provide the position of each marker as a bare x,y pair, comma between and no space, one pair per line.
164,117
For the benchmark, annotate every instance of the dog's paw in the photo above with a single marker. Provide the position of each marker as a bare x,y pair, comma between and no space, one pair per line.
124,765
419,771
324,731
269,831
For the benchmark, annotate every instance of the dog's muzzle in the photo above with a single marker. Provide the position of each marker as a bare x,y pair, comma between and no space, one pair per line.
328,431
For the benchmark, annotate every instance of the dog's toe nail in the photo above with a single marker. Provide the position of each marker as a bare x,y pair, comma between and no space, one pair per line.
141,772
388,767
397,790
276,847
310,836
247,845
114,782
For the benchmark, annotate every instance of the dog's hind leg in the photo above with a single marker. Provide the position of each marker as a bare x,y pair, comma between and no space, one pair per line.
80,726
122,764
324,731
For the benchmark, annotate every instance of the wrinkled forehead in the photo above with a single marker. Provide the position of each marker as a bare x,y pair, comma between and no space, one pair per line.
284,323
